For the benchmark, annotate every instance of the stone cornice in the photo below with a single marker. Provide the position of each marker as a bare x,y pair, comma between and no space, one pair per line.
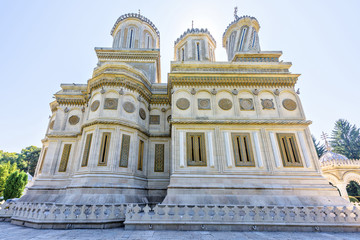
243,122
110,54
71,101
63,135
271,80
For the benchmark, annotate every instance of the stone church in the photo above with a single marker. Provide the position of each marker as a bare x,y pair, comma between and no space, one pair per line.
224,134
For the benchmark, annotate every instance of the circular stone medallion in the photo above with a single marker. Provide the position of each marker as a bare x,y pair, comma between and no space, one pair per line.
142,113
73,120
95,105
225,104
267,103
246,104
129,107
289,104
183,103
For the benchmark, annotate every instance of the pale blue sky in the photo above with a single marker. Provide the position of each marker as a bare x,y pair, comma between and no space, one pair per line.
46,43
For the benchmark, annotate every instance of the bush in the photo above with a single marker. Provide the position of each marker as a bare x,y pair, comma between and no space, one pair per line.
15,185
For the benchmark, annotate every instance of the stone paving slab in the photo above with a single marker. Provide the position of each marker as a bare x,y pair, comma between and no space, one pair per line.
13,232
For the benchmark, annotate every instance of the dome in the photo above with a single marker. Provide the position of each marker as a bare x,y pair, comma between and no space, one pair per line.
133,30
241,36
329,156
195,45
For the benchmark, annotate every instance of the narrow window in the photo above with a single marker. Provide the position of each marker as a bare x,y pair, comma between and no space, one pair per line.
131,37
288,149
148,41
159,158
254,37
196,155
182,54
242,150
141,155
198,51
104,149
65,158
125,148
42,161
242,38
86,154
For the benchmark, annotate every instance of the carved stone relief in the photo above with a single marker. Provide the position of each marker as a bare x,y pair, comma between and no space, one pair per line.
95,105
267,103
289,104
73,120
155,119
225,104
129,107
159,158
183,103
142,113
246,104
111,103
204,103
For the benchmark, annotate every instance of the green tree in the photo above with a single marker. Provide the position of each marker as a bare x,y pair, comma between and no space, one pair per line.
15,185
5,170
353,189
30,156
345,139
320,148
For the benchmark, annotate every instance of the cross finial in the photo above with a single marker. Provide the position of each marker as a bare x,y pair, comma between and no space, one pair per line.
235,13
192,24
324,136
139,11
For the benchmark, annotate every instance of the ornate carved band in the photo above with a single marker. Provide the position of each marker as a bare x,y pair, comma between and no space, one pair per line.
183,103
73,120
246,104
267,103
129,107
111,103
225,104
142,113
204,103
95,105
289,104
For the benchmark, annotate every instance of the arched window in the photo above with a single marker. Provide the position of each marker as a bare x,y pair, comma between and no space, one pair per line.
131,37
254,39
198,50
242,38
232,42
182,54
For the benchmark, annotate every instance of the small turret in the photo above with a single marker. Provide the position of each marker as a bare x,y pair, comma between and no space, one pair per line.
195,45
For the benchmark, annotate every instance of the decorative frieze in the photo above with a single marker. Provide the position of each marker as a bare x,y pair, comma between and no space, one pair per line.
159,158
155,119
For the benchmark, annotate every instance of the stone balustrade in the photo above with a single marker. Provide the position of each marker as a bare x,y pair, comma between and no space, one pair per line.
6,211
213,217
65,215
341,162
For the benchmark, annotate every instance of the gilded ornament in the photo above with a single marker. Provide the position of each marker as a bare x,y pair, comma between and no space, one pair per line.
225,104
246,104
267,103
51,125
183,103
95,105
142,113
289,104
204,103
73,120
129,107
111,103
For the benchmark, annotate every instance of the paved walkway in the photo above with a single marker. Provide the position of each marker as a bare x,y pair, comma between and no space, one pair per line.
9,232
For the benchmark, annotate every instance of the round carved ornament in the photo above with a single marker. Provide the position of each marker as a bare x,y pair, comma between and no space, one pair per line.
51,125
267,103
142,113
289,104
183,103
225,104
129,107
73,120
246,104
95,105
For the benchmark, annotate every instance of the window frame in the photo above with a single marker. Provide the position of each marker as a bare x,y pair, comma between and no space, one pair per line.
289,148
191,145
104,149
242,149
